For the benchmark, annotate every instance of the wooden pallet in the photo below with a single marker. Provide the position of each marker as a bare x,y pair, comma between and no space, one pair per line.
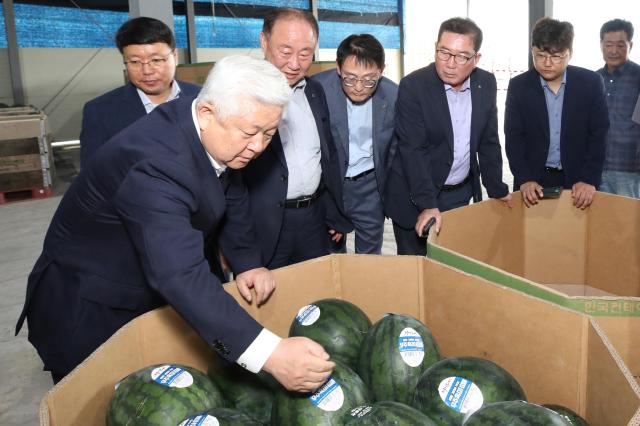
25,194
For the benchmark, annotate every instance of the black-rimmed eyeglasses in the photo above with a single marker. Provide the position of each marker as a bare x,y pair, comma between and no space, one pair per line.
460,59
366,82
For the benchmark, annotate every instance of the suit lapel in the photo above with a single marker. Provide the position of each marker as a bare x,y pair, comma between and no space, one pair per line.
380,108
438,98
136,107
477,95
539,107
314,102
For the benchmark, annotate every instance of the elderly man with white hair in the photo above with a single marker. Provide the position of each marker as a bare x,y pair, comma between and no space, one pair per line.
128,235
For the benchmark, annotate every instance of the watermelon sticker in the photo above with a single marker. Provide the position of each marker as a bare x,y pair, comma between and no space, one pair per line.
329,397
172,376
411,347
308,314
361,411
460,394
201,420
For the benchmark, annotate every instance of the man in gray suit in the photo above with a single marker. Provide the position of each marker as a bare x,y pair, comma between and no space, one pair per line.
362,112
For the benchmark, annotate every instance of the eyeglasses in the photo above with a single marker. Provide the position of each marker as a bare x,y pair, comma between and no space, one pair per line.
542,58
154,63
352,81
460,59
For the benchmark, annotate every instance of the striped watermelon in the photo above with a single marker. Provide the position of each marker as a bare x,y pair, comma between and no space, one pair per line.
221,417
453,388
515,413
569,415
337,325
395,353
327,406
243,390
162,395
386,413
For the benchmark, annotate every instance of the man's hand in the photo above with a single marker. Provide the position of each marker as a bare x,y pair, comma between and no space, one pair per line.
299,364
424,217
582,194
335,235
260,279
531,193
507,199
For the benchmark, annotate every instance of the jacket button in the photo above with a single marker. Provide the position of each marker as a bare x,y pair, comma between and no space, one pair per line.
283,178
280,204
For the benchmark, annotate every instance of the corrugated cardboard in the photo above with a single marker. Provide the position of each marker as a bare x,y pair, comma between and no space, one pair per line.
558,355
588,260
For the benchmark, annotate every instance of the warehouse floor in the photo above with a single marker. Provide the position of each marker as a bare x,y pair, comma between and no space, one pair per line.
22,228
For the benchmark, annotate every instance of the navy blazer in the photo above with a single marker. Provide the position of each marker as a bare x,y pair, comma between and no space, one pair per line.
585,122
425,144
383,107
266,179
128,236
111,112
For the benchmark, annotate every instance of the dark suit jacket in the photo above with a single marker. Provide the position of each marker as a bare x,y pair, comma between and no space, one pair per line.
128,237
425,144
266,179
104,116
383,107
585,122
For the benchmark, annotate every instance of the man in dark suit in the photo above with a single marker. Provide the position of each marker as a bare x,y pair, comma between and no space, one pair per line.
128,235
147,46
362,110
447,128
556,120
294,184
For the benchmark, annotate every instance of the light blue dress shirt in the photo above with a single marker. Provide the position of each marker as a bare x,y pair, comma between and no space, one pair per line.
360,119
460,110
554,110
150,106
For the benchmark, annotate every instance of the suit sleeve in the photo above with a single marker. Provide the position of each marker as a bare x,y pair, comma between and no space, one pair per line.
489,151
155,202
92,134
515,138
591,171
414,147
237,237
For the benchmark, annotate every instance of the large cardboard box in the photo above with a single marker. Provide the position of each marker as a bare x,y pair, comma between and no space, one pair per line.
556,354
588,260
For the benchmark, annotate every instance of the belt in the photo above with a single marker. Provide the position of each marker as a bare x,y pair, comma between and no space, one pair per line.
457,185
359,175
301,202
553,170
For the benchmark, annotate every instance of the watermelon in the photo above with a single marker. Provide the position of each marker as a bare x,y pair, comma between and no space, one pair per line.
395,353
337,325
326,406
453,388
162,395
243,390
222,417
515,413
569,415
386,413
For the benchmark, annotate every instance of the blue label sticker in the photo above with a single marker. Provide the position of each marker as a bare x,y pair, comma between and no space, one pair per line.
458,393
411,347
329,397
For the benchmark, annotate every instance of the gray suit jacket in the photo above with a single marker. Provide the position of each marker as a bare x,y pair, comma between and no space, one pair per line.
384,105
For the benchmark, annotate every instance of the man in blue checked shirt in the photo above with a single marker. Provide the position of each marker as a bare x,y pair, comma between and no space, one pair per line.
621,174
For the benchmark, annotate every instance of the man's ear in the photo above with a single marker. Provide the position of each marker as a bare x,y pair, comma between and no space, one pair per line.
206,114
338,69
263,42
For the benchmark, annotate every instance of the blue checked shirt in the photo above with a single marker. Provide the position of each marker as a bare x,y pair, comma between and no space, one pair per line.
623,140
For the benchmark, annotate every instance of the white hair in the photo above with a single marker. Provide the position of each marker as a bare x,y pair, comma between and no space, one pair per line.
237,80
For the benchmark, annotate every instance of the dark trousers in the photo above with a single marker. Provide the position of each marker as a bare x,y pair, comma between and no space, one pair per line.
552,178
303,236
409,243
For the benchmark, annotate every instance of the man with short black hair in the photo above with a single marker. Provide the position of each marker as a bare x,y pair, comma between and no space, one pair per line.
447,127
148,50
362,109
556,120
621,174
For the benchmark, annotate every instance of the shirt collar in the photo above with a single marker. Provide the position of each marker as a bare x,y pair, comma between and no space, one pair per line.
300,85
175,92
620,70
544,82
219,168
465,86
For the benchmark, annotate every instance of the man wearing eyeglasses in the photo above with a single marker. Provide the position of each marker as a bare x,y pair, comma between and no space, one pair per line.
148,50
362,110
556,120
447,128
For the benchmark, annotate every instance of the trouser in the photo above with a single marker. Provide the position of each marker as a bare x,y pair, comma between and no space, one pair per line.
621,183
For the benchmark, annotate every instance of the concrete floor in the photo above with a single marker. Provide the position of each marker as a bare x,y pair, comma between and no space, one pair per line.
22,228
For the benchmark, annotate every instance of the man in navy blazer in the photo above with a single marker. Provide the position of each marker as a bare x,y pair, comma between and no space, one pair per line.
447,128
294,184
147,46
362,110
556,120
128,235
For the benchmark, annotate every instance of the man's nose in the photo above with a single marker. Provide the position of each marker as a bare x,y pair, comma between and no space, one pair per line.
294,63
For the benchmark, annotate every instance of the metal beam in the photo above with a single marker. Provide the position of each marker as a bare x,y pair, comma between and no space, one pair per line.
314,11
161,10
15,66
192,44
537,9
